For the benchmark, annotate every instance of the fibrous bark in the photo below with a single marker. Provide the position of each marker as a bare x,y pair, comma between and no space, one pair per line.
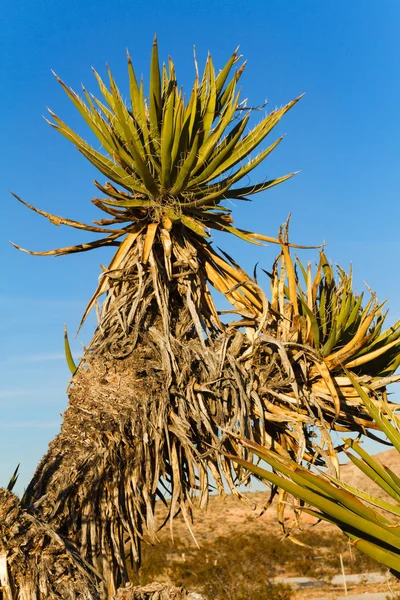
36,563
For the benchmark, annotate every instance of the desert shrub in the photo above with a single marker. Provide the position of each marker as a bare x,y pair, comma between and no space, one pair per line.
230,569
242,566
329,546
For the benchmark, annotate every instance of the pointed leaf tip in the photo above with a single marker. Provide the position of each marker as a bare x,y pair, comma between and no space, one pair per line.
68,354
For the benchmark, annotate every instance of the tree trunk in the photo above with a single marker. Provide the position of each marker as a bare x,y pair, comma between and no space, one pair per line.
96,484
132,428
36,562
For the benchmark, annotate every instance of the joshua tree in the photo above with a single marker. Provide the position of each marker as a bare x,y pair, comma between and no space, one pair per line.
164,382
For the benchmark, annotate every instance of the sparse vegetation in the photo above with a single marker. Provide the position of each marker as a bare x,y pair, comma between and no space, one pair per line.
224,568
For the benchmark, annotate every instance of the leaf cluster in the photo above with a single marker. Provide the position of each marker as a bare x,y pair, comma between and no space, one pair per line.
362,517
328,315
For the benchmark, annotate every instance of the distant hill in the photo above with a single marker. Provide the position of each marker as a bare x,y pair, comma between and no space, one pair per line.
353,476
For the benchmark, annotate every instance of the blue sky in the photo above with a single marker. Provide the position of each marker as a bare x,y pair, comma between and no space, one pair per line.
344,136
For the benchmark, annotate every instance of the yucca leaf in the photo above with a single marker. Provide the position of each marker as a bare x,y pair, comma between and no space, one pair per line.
386,557
210,147
155,92
13,479
68,354
106,241
177,133
204,86
375,475
136,101
296,486
194,111
346,499
305,277
94,120
257,188
149,241
331,341
164,82
378,550
186,168
56,220
143,171
207,199
131,203
313,323
358,341
391,367
253,163
210,109
355,312
125,120
223,98
252,140
194,225
109,168
378,502
371,356
212,169
180,153
317,281
167,138
223,226
385,425
224,73
385,338
322,312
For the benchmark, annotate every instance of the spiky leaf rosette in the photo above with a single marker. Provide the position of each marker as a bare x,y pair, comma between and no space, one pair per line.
324,313
172,164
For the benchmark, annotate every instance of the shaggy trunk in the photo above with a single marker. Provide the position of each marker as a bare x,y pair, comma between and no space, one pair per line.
36,562
141,422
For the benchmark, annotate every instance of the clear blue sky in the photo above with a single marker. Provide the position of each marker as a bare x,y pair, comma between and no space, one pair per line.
344,136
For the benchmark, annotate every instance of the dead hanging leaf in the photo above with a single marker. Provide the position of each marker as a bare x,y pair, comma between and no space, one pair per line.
326,377
167,246
148,241
114,264
106,241
63,221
